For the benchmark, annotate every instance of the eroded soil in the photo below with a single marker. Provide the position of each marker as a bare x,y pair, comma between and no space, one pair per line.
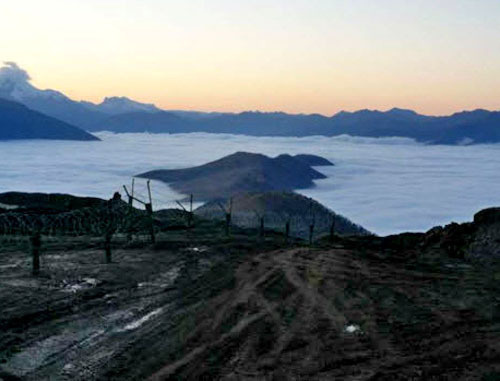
241,309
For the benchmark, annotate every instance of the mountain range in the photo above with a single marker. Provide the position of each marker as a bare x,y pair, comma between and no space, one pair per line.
120,114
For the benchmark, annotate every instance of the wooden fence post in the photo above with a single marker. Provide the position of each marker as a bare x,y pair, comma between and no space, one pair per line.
149,209
190,215
36,243
107,245
332,230
227,214
311,225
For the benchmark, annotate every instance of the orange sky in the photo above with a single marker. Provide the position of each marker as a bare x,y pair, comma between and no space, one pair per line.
308,56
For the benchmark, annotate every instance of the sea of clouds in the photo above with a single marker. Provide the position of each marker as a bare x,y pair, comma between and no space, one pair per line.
386,185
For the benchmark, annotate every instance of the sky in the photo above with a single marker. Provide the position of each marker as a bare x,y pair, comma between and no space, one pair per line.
300,56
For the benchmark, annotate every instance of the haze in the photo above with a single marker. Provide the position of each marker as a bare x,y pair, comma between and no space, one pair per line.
309,56
387,185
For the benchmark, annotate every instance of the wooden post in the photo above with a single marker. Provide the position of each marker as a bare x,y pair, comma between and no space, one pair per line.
228,217
227,214
311,233
287,231
311,225
36,243
107,245
190,215
149,208
228,223
262,233
149,194
332,230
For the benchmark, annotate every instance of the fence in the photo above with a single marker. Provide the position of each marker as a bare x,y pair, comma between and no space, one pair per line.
137,217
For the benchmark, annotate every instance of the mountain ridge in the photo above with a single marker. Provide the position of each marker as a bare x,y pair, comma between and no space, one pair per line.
19,122
121,114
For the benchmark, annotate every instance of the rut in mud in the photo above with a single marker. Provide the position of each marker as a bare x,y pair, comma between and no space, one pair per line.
333,313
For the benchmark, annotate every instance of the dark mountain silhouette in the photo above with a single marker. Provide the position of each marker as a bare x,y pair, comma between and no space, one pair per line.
478,126
19,122
245,123
240,172
154,122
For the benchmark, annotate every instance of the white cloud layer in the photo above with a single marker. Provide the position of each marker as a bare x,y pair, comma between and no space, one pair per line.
387,185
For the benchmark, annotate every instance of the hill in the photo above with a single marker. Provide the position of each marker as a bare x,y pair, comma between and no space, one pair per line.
19,122
278,208
240,172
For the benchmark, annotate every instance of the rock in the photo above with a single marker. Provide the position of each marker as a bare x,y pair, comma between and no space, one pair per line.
487,216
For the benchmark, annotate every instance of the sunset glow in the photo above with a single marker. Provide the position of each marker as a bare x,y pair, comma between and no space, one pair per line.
311,56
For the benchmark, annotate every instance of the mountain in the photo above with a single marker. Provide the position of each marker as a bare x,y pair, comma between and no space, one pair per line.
479,126
240,172
121,114
19,122
245,123
469,127
276,208
120,105
154,122
15,85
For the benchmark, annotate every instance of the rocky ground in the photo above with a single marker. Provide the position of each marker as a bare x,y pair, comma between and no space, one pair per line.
199,305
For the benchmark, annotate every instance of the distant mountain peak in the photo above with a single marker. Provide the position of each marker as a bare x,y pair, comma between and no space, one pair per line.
15,85
127,102
121,105
401,111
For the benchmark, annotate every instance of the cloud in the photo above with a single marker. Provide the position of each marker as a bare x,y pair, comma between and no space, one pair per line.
386,185
11,72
